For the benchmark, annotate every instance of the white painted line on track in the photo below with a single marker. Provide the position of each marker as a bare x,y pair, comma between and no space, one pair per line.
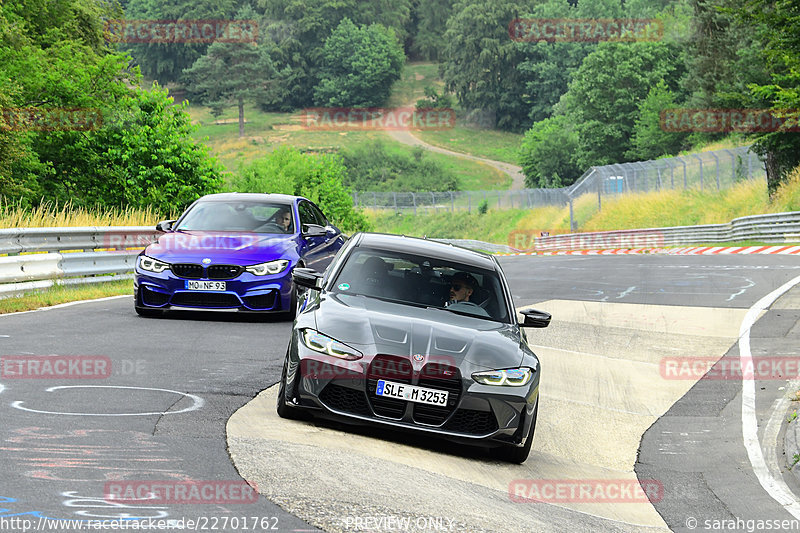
775,487
198,402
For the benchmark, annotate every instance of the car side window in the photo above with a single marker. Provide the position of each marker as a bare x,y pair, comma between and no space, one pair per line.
307,215
322,220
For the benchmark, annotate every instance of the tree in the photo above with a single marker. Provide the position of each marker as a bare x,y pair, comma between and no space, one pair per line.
777,25
547,154
166,62
480,60
299,56
603,97
649,139
431,15
316,177
359,67
229,73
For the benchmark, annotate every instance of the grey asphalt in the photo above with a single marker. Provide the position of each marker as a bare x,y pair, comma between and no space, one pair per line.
56,465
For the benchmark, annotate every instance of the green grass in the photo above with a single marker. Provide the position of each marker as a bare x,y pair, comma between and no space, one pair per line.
644,210
59,294
266,131
411,86
491,144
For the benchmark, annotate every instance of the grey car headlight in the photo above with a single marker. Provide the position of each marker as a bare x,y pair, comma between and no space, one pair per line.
268,268
314,340
509,377
152,265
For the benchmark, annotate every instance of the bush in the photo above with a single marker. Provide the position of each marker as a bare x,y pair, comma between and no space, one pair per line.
547,153
372,167
318,177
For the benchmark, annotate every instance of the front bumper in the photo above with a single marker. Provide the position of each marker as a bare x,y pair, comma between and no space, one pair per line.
345,390
246,292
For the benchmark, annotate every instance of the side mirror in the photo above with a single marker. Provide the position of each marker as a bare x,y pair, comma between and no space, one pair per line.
308,278
314,230
165,225
535,318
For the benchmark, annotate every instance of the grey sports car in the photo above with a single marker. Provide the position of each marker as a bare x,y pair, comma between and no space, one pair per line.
417,335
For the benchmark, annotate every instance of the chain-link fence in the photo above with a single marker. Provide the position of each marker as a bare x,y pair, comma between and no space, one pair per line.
713,170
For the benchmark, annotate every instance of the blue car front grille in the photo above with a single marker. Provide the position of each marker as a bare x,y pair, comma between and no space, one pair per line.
195,271
187,270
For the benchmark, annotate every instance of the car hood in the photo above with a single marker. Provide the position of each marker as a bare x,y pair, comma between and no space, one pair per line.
380,327
222,247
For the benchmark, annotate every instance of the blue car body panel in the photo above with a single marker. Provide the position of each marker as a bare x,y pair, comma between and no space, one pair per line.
209,256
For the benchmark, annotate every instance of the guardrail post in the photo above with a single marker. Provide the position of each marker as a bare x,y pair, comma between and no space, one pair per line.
452,203
572,225
716,159
395,201
414,199
701,169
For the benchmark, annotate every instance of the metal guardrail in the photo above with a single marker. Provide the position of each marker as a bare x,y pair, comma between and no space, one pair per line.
779,228
37,258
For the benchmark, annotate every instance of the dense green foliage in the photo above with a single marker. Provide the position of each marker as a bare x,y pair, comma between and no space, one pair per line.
229,73
319,178
359,66
372,167
118,145
547,151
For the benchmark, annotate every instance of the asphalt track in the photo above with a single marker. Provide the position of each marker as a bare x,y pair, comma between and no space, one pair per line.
609,413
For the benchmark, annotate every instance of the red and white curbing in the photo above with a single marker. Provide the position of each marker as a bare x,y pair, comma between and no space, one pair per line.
692,250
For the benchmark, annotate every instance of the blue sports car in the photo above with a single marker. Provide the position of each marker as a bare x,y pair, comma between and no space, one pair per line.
234,251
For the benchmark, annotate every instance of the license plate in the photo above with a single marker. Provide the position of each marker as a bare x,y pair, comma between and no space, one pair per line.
195,285
411,393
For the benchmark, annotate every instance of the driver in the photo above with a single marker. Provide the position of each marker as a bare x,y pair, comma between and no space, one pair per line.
284,219
462,285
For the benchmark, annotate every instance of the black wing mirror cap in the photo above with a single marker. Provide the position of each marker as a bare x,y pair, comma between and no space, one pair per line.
165,225
535,318
314,230
308,278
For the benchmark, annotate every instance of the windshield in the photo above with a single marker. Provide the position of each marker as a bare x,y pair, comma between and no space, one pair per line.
422,281
256,217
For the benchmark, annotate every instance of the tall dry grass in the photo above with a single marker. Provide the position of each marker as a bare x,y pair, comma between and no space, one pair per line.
48,215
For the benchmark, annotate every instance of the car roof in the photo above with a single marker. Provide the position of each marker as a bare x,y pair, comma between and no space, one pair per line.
250,196
426,247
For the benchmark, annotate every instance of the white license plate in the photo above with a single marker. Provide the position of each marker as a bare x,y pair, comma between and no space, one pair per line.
411,393
196,285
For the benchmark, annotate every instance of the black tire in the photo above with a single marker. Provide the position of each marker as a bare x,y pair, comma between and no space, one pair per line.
516,454
141,310
284,409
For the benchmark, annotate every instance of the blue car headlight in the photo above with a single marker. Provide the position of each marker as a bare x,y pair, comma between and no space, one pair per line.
152,265
268,268
314,340
509,377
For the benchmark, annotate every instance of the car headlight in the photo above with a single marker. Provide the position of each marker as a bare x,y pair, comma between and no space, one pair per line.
314,340
268,268
153,265
510,377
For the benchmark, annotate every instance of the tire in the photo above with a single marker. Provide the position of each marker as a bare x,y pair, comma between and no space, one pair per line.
284,409
517,454
141,310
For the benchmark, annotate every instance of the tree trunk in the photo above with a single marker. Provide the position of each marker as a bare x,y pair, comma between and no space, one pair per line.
241,116
773,169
